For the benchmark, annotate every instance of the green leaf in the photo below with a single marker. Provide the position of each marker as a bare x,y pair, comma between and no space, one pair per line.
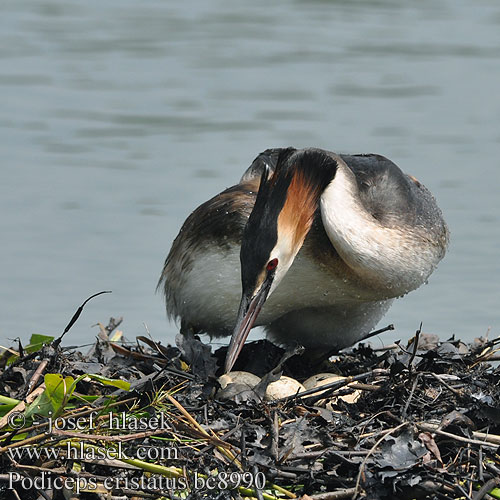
52,400
59,389
4,400
4,409
41,406
121,384
495,493
37,341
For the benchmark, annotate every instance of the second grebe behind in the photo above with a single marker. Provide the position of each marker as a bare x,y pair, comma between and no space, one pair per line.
325,241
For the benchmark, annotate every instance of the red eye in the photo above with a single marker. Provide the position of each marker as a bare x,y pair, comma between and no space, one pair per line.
272,264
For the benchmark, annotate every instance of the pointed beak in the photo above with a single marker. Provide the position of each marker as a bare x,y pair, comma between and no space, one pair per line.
247,314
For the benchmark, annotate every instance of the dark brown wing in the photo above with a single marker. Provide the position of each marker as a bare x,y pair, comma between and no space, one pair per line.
218,223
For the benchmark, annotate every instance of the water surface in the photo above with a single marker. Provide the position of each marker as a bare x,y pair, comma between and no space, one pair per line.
119,118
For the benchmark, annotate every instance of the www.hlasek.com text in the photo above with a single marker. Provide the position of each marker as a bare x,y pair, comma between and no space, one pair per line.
81,451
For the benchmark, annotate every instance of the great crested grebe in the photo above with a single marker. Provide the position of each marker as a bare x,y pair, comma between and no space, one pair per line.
325,241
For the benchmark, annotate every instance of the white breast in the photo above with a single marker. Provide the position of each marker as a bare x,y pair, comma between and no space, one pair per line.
211,291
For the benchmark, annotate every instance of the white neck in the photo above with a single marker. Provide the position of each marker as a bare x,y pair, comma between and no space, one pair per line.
398,259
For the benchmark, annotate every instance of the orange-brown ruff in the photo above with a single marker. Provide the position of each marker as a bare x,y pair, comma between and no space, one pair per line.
326,243
297,214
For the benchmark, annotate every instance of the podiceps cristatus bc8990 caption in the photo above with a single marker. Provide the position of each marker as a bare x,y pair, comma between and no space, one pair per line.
310,244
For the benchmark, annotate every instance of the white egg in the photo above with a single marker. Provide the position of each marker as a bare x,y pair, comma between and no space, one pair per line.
239,377
282,388
321,379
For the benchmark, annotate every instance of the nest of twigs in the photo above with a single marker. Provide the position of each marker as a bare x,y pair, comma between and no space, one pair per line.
141,420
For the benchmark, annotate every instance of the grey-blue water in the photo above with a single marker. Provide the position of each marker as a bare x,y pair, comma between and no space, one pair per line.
118,118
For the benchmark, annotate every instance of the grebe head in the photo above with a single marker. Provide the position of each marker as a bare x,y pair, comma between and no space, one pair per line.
280,220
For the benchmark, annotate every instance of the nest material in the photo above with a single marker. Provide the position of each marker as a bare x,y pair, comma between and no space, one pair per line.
427,424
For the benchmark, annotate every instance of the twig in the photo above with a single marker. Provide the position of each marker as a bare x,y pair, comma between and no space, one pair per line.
21,359
388,347
243,448
377,332
220,445
316,454
113,324
29,441
332,495
283,491
365,387
36,376
72,321
458,487
223,438
407,404
274,436
480,465
448,386
255,470
365,337
489,440
327,389
114,438
414,352
20,407
16,494
19,467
